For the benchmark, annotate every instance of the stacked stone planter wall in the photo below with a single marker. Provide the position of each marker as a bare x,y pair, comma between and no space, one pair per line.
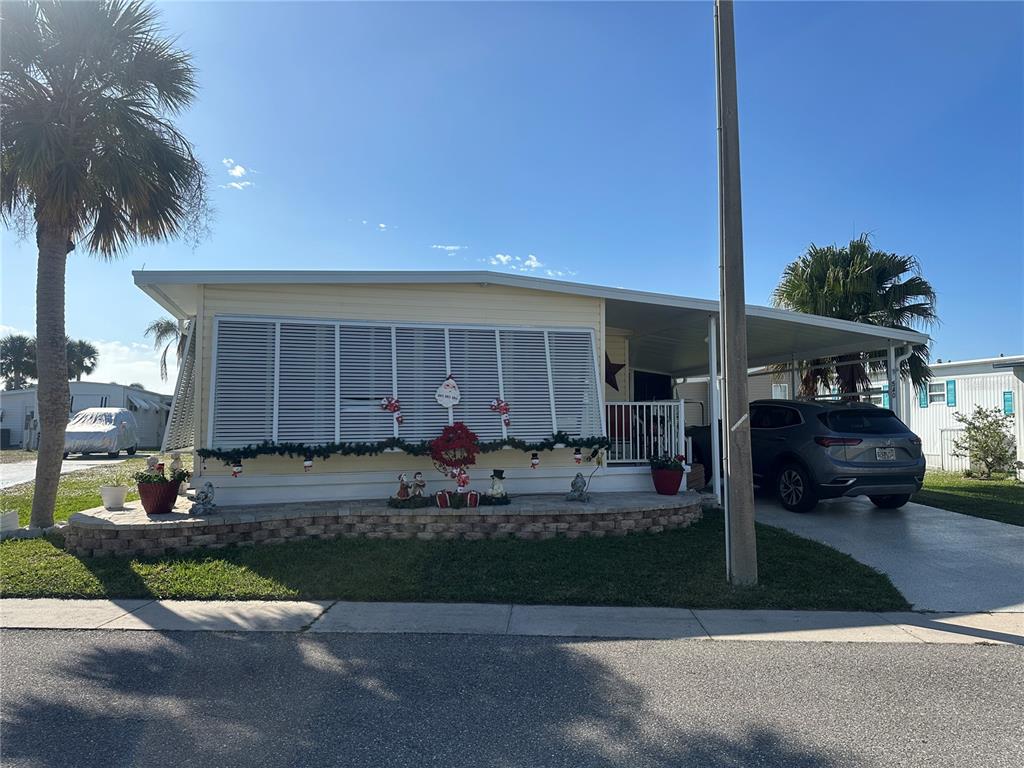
130,532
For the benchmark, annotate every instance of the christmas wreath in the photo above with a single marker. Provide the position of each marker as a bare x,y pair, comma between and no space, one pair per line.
457,446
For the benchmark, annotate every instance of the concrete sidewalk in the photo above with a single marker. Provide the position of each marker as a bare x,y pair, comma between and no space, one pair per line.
503,619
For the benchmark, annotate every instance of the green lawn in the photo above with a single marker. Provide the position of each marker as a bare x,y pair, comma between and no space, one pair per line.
1001,500
13,455
677,568
77,490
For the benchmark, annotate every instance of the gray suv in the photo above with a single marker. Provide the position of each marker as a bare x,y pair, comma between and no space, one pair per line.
806,451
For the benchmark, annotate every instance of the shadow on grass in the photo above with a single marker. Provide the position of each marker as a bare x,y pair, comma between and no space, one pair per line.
195,699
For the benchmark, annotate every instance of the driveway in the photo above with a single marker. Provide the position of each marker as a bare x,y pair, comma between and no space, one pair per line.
939,560
25,471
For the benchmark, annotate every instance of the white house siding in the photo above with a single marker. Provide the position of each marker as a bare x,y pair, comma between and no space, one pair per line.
375,476
977,384
88,394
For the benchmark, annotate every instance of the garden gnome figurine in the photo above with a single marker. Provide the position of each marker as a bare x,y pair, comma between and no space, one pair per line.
175,466
419,485
203,504
403,487
579,489
497,482
462,480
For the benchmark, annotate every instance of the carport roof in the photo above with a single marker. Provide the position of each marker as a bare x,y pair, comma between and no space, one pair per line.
667,333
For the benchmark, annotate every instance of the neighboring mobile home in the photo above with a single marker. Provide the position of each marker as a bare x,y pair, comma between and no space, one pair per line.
275,359
19,410
960,387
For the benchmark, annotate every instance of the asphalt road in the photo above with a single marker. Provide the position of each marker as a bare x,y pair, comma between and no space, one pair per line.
109,699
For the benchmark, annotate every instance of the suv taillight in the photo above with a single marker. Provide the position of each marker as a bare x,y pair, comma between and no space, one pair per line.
915,439
828,442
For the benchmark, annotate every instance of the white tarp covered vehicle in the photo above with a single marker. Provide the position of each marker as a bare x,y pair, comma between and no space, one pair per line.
101,430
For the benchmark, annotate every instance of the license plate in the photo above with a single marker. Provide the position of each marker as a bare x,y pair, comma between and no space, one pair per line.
885,454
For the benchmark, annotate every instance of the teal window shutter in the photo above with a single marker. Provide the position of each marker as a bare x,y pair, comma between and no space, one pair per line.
1008,403
951,393
922,396
885,395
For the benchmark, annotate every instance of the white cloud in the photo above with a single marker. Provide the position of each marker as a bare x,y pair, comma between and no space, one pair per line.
450,248
382,227
532,263
237,171
502,259
128,363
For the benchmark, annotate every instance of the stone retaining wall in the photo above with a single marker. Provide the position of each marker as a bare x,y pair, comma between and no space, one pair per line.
131,533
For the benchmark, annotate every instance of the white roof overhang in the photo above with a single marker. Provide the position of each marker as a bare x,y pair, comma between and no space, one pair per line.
667,333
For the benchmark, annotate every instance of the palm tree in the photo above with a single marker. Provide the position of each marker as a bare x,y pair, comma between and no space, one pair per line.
90,157
167,333
858,283
17,360
82,358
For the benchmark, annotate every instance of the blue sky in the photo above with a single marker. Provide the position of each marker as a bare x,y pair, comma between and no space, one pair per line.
578,140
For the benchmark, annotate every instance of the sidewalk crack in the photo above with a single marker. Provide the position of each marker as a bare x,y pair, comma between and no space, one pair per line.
126,613
305,628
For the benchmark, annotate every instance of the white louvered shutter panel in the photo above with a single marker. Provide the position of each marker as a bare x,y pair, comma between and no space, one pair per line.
366,378
474,363
180,431
306,390
525,376
421,369
243,410
577,411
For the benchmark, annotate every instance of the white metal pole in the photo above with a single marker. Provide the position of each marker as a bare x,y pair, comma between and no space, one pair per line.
892,376
715,396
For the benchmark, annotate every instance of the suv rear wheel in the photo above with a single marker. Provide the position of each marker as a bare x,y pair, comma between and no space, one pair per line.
891,501
794,489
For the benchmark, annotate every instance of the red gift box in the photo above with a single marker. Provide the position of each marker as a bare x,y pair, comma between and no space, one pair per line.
444,501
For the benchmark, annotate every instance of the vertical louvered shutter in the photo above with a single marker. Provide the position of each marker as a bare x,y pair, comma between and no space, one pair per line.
180,430
243,409
422,367
306,399
577,410
366,378
474,364
524,372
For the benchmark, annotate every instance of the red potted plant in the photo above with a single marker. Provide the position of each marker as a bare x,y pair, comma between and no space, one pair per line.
667,473
158,492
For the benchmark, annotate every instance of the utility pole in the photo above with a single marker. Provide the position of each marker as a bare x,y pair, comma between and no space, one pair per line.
739,496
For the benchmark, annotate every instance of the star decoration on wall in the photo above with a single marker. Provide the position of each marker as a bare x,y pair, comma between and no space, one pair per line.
611,370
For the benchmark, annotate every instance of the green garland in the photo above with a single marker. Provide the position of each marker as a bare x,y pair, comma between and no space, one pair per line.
327,450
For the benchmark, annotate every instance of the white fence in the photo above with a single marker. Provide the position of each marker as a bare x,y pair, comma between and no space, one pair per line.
640,430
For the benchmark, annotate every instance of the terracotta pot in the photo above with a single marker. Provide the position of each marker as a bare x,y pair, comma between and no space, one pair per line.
667,481
158,498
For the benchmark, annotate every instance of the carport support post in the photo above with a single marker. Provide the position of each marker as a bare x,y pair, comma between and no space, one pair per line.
715,398
739,491
892,376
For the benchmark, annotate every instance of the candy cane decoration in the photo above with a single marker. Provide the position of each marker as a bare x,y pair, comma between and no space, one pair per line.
500,406
391,405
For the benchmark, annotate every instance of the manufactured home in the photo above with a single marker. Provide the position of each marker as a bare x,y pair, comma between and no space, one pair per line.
19,409
958,388
362,367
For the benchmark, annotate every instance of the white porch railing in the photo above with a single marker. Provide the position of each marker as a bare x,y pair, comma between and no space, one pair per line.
640,430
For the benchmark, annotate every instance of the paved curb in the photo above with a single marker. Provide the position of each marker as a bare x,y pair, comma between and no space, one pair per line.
600,622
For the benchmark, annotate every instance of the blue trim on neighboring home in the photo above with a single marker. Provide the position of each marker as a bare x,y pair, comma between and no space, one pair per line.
1008,403
922,397
951,393
885,395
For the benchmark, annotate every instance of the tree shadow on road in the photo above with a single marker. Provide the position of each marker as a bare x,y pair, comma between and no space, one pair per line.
203,699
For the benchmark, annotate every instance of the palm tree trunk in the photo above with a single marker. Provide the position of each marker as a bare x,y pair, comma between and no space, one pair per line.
52,369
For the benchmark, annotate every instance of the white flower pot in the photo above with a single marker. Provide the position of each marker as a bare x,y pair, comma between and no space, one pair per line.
113,496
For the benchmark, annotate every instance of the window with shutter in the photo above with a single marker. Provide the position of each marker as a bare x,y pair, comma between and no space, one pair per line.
577,410
422,366
243,395
367,377
473,353
179,432
306,401
524,371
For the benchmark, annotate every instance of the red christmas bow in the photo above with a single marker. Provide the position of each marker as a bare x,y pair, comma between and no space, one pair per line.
500,406
391,405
